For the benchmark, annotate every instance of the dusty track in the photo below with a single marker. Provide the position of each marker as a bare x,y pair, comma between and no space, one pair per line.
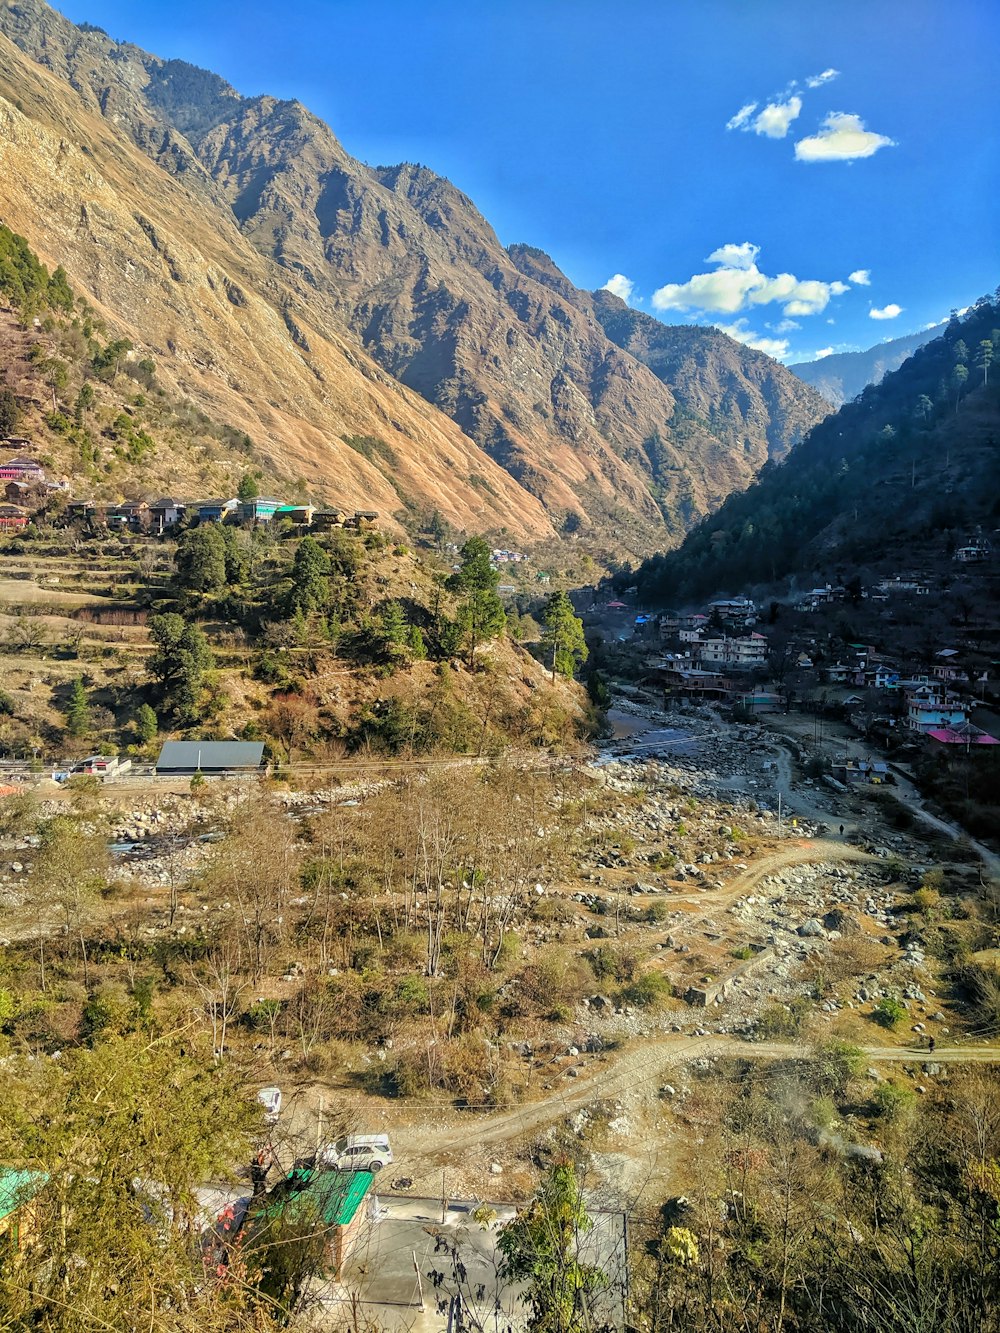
644,1065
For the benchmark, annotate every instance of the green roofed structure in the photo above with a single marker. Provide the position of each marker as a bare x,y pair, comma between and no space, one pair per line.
328,1201
17,1188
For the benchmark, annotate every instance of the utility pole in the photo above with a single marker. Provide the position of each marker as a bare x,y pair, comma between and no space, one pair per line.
779,814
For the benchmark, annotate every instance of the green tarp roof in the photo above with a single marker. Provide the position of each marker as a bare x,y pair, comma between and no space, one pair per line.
335,1196
16,1187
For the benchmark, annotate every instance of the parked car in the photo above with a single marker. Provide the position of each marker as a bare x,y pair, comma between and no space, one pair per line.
358,1152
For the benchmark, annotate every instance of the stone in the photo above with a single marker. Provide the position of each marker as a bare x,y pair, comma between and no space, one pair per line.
811,929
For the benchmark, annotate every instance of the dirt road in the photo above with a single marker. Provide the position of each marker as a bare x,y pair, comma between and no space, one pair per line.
646,1067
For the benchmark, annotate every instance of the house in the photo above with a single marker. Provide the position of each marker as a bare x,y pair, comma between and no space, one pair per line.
22,469
398,1279
258,510
102,766
16,442
928,708
365,518
18,1190
325,519
84,511
165,512
214,511
311,1196
187,757
737,610
966,734
974,552
300,515
133,515
12,519
885,678
839,673
853,771
743,654
903,584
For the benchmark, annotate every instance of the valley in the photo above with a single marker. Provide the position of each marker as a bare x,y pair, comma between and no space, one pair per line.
499,775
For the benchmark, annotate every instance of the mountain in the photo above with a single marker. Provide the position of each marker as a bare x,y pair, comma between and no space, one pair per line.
843,375
895,479
308,298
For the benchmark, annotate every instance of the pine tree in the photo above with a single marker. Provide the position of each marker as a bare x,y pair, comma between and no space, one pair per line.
480,615
310,589
146,724
77,710
562,635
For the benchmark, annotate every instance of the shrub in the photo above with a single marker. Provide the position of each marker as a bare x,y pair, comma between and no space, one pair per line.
925,900
893,1102
835,1063
889,1012
783,1020
744,952
647,991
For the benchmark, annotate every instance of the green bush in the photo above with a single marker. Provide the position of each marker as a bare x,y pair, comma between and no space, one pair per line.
647,990
893,1102
889,1012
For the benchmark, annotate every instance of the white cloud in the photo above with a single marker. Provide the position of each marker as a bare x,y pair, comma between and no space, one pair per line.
739,121
861,277
817,80
889,311
823,352
737,284
735,256
776,347
776,118
619,285
842,138
786,326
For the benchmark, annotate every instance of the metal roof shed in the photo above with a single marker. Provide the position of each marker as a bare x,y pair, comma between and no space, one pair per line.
210,756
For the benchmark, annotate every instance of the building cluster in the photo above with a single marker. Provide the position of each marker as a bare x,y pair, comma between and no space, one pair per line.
716,654
25,486
158,515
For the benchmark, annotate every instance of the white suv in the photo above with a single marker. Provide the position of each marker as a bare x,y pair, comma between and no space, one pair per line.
358,1152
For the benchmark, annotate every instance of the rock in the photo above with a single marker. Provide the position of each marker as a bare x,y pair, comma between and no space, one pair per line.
573,1073
811,929
496,1169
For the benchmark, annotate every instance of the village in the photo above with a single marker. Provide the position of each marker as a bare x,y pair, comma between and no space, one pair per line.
933,680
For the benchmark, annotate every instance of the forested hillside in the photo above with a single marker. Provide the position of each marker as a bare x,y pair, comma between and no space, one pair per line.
906,468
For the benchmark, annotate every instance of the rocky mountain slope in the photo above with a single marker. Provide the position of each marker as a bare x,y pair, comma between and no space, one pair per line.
306,297
895,480
842,376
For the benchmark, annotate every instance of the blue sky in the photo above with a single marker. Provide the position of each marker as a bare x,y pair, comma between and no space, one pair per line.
856,201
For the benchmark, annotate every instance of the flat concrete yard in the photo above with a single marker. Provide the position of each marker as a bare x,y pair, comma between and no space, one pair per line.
458,1262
